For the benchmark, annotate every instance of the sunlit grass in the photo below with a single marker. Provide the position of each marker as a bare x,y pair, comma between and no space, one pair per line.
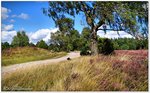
96,73
25,54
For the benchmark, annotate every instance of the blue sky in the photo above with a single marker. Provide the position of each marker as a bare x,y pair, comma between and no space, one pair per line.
28,16
36,19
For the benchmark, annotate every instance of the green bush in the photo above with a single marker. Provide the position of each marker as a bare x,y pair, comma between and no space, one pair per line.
115,45
42,44
145,43
5,45
142,44
124,47
105,46
31,44
85,50
132,46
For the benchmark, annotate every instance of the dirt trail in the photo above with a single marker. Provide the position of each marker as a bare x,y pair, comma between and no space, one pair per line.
12,68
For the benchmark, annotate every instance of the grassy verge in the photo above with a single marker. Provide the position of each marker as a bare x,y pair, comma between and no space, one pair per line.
125,71
25,54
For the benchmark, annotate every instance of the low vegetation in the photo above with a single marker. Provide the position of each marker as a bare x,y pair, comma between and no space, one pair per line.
123,71
24,54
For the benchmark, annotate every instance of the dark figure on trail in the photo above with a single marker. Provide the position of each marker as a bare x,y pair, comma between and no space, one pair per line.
68,58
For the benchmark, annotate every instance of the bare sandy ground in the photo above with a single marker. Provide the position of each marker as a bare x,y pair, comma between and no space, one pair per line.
12,68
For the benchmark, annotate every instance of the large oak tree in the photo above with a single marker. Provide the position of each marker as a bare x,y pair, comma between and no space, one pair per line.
131,17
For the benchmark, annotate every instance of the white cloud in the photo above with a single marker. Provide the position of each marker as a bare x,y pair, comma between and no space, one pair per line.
47,38
23,16
4,12
34,37
7,27
12,21
7,36
113,34
8,33
41,34
14,16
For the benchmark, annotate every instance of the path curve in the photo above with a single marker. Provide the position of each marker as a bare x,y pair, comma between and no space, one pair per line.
12,68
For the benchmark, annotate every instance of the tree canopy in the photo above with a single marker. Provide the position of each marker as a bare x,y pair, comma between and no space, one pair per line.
66,38
42,44
21,39
118,15
5,45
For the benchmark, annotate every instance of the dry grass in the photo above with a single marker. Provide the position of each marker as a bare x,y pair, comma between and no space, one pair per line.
124,71
25,54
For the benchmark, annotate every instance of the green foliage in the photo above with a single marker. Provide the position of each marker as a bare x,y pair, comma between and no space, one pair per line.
5,45
74,40
69,47
67,42
85,50
65,24
67,38
54,48
105,46
85,41
124,47
42,44
116,45
31,44
130,44
86,33
145,43
142,44
21,39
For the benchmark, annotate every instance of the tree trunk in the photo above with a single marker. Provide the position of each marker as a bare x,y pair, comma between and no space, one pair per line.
94,44
94,47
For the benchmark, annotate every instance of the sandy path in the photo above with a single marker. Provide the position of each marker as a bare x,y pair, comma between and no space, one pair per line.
12,68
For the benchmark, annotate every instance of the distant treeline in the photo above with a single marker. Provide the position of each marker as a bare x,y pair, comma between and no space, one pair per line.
74,41
129,44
